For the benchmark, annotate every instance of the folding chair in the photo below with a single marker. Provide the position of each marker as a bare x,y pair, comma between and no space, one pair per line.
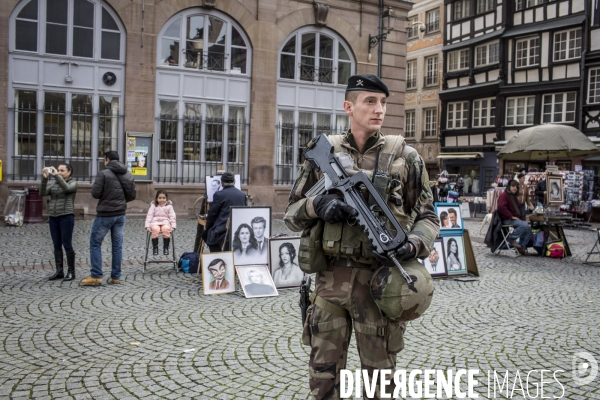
505,245
595,250
174,261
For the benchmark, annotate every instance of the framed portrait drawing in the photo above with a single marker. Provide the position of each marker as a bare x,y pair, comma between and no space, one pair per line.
554,191
250,229
218,274
256,281
450,217
454,254
436,262
213,185
283,259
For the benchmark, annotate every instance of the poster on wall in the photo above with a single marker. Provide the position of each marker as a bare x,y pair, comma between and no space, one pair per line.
139,156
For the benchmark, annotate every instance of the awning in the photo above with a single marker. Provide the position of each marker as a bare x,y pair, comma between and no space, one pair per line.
448,156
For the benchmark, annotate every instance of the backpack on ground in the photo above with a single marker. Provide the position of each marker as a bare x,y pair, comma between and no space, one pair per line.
190,260
555,250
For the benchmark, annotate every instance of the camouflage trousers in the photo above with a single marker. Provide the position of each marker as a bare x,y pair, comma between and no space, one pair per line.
378,339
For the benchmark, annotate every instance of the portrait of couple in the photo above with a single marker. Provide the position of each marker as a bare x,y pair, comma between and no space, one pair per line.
249,241
449,215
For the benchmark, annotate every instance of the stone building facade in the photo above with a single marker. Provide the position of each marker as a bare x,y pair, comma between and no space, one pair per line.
184,89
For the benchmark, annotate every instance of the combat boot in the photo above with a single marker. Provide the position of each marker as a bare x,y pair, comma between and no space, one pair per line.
154,246
70,266
166,242
58,261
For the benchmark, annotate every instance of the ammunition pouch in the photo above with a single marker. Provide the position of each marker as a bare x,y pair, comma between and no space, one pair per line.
311,257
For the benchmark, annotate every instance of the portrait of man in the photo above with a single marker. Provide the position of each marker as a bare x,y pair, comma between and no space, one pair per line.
452,215
216,185
256,281
218,270
435,263
258,227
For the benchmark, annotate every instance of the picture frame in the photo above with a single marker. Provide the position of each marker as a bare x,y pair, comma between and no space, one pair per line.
555,195
456,262
245,226
218,273
283,262
436,262
213,185
450,216
256,281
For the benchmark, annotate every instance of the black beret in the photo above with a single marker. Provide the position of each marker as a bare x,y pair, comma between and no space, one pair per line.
227,177
367,83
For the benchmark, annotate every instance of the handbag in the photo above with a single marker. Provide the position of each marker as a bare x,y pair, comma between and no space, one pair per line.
555,250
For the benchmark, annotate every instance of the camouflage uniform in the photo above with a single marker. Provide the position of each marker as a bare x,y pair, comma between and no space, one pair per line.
344,296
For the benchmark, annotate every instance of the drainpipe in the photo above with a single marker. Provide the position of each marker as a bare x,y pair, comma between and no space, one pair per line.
380,33
584,45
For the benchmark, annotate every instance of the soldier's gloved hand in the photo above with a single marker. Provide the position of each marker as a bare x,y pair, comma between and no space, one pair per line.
406,252
330,208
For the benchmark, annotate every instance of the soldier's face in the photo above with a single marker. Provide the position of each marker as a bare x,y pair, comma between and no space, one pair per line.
218,271
367,112
259,230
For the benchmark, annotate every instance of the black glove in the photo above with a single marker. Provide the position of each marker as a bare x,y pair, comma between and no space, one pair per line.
330,208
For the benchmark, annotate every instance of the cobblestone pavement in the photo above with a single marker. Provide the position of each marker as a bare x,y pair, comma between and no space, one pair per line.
157,336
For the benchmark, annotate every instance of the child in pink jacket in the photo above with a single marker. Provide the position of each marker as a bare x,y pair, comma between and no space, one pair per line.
161,218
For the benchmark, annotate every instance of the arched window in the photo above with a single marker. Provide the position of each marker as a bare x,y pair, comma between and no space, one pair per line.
203,97
314,67
76,28
67,71
315,57
203,42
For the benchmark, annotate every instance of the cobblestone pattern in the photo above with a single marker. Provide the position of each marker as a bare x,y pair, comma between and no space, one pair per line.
157,336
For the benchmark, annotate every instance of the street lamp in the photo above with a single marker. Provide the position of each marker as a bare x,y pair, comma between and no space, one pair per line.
388,18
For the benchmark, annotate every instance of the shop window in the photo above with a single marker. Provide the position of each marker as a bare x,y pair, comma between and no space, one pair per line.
458,114
69,29
471,177
315,57
294,130
458,60
527,52
559,107
567,45
519,110
409,126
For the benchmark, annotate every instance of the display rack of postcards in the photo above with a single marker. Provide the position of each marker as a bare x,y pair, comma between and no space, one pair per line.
531,180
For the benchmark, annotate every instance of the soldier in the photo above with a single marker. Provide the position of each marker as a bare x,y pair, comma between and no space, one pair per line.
355,286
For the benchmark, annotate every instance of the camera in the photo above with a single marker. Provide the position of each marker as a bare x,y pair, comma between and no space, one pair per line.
48,170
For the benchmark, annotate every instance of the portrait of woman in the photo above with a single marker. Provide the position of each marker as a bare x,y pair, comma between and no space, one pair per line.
444,221
452,259
555,192
244,245
288,272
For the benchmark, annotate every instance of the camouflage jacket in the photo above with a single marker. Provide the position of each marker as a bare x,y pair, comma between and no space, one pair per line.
416,214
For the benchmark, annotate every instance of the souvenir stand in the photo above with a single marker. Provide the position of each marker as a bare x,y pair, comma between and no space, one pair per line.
452,255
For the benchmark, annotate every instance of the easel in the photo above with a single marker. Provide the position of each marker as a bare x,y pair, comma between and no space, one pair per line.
595,250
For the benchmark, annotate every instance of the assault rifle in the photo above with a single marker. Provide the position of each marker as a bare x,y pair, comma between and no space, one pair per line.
319,153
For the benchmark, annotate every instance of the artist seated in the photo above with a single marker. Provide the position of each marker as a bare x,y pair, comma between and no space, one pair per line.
510,212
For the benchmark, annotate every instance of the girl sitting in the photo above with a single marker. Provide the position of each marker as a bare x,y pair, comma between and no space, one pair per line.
161,218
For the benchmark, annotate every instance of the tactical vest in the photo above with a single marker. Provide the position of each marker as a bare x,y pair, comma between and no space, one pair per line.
343,240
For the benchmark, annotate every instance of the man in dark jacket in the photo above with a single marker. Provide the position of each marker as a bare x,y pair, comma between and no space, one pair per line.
218,213
540,192
110,187
510,212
